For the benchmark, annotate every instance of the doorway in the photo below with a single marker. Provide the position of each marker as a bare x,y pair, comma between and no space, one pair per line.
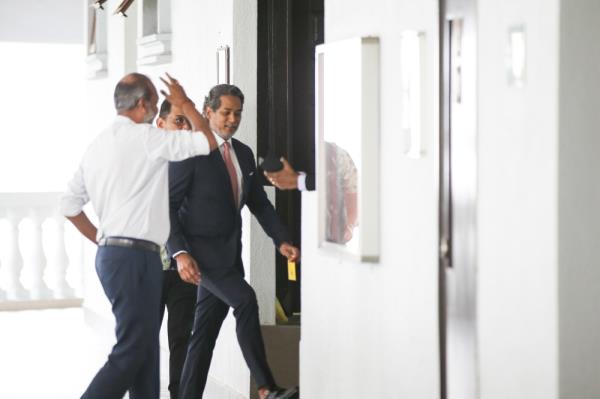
288,32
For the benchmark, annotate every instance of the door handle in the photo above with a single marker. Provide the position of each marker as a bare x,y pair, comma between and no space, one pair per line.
444,251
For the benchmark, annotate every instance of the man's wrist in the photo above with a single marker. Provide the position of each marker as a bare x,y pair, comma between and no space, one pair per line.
176,254
186,103
301,181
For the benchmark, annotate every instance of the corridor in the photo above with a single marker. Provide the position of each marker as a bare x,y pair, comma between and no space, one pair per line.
51,354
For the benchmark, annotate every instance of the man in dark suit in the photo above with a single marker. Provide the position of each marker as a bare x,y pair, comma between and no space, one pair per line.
206,196
178,296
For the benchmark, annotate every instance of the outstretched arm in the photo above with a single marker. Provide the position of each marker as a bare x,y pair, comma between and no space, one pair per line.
284,179
288,179
261,207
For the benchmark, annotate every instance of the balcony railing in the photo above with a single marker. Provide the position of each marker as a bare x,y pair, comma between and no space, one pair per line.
34,261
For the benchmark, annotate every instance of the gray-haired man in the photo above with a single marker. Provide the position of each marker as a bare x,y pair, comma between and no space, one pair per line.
124,174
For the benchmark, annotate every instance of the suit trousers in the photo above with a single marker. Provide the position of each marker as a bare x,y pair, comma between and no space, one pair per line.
131,279
215,297
179,298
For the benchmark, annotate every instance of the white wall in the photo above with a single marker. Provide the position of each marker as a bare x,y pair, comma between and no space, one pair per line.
40,78
537,222
579,196
517,244
371,330
41,21
42,114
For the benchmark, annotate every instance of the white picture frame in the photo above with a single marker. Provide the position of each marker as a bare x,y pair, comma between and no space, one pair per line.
347,136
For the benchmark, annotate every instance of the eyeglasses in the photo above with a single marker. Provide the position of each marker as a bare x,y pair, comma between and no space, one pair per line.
180,121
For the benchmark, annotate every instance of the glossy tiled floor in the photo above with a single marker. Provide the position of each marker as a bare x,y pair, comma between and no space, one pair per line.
49,354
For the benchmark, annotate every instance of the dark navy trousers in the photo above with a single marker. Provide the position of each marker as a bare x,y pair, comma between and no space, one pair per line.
132,280
179,298
215,297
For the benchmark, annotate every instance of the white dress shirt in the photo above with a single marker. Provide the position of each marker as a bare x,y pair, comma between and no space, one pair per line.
235,161
124,173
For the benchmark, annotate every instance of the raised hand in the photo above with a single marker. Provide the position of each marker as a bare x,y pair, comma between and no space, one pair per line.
176,95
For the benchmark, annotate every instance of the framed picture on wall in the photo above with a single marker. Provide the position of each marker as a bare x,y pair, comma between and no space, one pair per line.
347,130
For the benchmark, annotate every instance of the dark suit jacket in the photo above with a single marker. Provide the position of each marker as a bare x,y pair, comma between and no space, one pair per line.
204,219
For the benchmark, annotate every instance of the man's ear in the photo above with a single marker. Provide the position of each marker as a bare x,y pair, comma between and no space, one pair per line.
160,122
141,104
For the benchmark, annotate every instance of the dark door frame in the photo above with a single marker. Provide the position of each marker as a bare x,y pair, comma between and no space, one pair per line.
288,31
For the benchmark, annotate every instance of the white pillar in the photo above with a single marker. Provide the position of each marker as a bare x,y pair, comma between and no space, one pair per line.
37,262
14,265
60,262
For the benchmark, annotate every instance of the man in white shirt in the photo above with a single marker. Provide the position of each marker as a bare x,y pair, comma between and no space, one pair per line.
124,173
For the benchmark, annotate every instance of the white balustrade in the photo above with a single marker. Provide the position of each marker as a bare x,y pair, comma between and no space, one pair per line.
14,260
37,259
25,258
61,262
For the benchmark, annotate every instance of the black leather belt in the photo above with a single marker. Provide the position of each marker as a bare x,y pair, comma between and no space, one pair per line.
129,243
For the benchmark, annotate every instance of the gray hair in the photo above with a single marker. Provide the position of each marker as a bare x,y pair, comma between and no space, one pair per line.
213,100
130,90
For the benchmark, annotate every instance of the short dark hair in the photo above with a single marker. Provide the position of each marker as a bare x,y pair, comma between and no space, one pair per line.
165,109
213,100
130,90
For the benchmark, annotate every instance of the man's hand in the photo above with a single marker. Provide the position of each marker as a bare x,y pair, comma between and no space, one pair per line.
285,179
188,268
289,251
178,98
176,95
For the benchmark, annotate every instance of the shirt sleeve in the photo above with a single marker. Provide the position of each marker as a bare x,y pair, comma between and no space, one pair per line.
76,196
175,145
301,181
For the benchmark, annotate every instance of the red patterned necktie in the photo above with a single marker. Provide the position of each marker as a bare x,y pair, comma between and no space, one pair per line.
231,170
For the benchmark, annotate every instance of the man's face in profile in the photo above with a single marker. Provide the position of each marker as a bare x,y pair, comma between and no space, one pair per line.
174,121
226,119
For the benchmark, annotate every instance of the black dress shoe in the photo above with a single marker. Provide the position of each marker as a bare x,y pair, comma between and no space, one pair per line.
280,393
